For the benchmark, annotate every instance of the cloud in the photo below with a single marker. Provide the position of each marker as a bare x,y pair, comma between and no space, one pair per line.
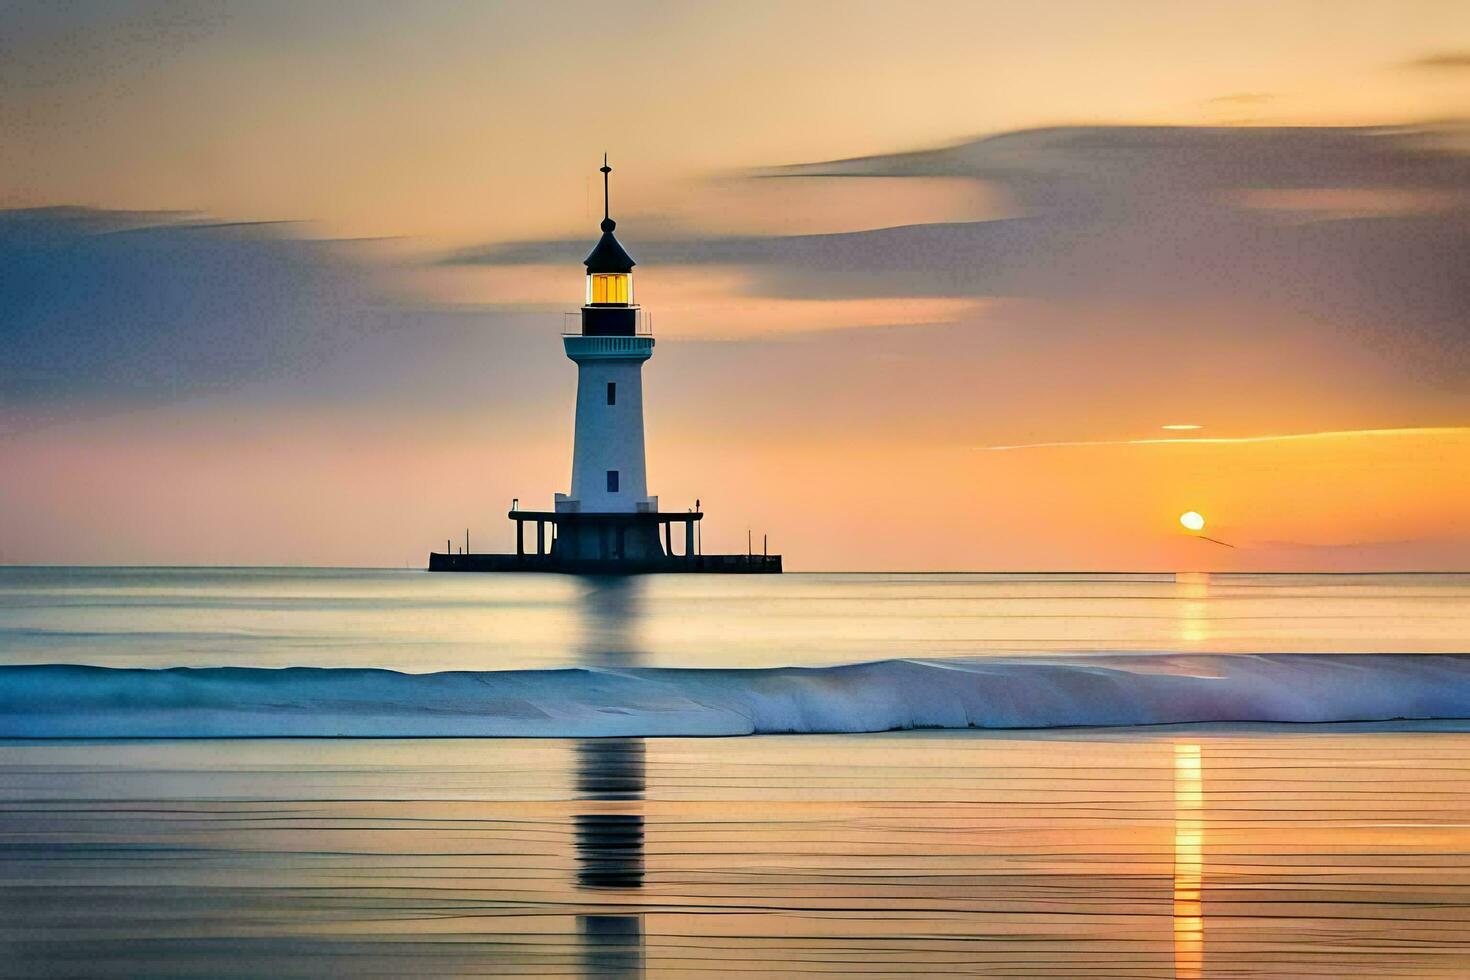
1237,440
1452,60
1164,221
1098,166
133,308
1242,99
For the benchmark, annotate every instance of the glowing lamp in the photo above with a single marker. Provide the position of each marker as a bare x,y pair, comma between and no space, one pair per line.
610,288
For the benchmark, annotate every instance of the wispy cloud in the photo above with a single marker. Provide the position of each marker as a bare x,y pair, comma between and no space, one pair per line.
1453,60
1242,99
137,308
1087,166
1241,440
1152,220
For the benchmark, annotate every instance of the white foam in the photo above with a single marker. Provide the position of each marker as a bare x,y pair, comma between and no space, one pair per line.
66,701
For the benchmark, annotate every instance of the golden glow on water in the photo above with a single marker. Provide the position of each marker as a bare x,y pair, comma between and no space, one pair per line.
1332,854
1194,618
1189,864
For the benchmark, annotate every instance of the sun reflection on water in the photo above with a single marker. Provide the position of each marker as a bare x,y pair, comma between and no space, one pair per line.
1194,620
1189,867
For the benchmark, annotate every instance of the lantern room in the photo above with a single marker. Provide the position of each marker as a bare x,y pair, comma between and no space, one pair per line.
609,289
609,310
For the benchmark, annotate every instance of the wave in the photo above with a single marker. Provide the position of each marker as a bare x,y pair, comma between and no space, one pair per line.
68,701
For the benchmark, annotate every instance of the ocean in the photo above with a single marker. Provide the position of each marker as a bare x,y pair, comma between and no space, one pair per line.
1066,775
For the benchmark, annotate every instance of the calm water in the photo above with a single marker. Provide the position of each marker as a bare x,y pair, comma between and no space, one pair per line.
1211,851
1184,854
414,621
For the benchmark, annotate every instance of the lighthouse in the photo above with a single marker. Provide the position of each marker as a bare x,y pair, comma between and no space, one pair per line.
609,462
607,523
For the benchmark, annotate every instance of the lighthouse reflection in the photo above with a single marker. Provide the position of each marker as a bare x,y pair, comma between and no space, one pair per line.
610,779
610,844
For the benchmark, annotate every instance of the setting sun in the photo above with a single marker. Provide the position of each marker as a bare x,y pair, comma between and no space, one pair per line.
1192,520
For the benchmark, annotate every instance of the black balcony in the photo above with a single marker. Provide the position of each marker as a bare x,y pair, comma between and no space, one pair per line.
609,321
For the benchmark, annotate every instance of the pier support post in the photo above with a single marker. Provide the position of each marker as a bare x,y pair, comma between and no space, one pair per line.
540,537
520,537
689,540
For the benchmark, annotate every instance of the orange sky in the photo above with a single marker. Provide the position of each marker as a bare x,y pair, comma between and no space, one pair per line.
454,122
266,395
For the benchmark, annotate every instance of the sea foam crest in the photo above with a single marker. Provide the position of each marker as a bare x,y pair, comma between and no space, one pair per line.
66,701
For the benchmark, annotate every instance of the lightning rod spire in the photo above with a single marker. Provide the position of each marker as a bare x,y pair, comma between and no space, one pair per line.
606,212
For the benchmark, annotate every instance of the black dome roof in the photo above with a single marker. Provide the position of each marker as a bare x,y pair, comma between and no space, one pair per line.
608,255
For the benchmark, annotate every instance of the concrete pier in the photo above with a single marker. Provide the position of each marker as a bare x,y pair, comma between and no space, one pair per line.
605,544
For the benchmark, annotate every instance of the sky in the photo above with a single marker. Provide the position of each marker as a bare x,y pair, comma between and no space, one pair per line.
283,283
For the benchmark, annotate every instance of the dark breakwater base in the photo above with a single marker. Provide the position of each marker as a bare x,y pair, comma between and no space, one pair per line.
703,564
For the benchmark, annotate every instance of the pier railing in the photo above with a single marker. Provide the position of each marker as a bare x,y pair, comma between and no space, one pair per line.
737,563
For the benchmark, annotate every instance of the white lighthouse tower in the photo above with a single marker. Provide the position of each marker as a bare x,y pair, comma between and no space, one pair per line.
608,524
609,467
609,473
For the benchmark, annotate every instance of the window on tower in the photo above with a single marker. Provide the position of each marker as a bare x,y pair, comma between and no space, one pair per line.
612,392
612,481
610,287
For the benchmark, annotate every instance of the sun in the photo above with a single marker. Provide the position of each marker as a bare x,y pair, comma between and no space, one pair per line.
1193,520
